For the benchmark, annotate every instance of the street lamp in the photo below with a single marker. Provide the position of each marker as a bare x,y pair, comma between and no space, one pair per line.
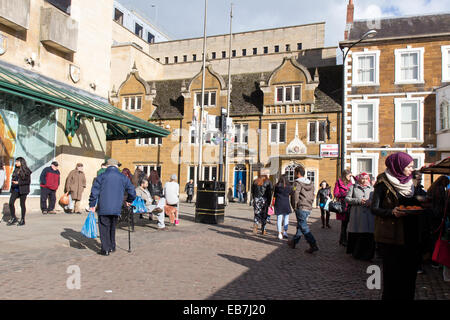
369,34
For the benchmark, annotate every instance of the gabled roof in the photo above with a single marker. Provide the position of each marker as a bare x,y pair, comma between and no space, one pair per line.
402,27
168,101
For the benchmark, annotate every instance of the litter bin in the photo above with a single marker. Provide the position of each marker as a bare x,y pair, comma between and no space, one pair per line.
210,202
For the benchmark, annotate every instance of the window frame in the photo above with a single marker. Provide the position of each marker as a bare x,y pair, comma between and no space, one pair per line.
317,140
141,142
373,156
120,20
375,116
445,50
242,136
278,133
150,37
59,6
356,68
283,100
398,66
210,93
420,119
127,106
420,157
141,33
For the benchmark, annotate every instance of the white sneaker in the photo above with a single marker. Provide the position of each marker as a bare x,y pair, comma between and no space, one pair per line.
280,236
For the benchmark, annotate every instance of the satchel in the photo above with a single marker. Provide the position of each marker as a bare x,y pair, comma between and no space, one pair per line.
441,253
64,200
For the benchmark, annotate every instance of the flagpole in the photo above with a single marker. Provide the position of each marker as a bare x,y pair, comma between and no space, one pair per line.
200,131
226,176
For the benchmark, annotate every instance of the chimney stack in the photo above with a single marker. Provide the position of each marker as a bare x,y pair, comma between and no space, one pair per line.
350,16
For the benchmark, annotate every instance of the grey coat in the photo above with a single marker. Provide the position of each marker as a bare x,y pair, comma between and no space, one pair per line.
361,218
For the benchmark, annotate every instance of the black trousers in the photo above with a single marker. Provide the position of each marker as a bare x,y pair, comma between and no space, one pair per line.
324,213
399,271
107,229
12,200
48,194
189,198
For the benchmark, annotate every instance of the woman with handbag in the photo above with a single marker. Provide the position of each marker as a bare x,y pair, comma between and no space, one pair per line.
282,206
361,244
20,188
340,192
323,195
397,232
261,195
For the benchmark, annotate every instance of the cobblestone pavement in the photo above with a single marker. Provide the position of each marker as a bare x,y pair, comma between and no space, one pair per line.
190,261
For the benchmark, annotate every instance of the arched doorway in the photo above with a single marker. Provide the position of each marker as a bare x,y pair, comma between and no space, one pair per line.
240,173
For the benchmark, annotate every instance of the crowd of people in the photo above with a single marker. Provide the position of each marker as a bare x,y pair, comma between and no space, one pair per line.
373,222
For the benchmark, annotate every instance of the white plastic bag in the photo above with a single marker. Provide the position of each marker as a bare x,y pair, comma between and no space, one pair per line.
70,206
326,206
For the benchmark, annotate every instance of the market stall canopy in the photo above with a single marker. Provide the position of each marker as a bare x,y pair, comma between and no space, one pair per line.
439,167
121,125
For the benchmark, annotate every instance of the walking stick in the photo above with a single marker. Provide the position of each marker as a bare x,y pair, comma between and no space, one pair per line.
130,212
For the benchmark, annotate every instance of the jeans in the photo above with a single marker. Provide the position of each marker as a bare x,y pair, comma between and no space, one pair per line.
302,227
241,197
280,218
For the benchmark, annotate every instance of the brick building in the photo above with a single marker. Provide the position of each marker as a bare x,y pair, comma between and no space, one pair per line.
390,82
284,106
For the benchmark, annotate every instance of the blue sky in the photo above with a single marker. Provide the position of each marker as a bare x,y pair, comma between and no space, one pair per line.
184,18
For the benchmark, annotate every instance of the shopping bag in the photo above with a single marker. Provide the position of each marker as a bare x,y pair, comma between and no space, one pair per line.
139,205
326,207
270,211
64,200
89,229
71,204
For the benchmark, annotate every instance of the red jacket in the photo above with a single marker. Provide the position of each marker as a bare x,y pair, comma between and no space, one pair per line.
49,178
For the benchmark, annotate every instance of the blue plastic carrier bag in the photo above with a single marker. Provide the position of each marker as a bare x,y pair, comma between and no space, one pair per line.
139,205
90,226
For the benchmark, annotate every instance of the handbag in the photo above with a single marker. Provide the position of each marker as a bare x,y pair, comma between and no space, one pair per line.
270,211
335,206
441,253
89,229
64,200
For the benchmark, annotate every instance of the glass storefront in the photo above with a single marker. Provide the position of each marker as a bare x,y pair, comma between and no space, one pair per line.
28,130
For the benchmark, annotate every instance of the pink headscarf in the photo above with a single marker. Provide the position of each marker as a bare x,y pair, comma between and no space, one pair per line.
361,176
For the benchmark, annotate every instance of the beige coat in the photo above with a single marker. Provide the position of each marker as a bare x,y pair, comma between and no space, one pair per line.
75,184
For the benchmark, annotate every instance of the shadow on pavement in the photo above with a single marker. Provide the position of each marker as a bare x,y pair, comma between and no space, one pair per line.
78,241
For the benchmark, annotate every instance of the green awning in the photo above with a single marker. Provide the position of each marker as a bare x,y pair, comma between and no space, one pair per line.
121,125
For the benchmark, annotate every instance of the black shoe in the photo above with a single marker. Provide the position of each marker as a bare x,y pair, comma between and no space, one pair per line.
11,222
291,243
112,250
44,211
21,222
312,248
104,253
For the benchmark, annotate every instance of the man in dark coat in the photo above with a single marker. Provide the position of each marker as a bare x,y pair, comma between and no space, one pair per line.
107,192
49,182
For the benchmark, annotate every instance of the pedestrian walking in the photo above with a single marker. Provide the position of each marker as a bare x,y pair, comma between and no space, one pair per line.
171,194
20,188
361,243
189,189
49,183
154,184
340,192
323,195
282,206
107,193
75,185
2,176
240,191
262,190
396,232
302,199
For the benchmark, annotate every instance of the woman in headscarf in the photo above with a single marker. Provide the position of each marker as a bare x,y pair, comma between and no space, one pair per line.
340,192
361,244
396,232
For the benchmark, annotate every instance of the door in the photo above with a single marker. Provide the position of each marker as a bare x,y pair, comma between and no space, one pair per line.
240,173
